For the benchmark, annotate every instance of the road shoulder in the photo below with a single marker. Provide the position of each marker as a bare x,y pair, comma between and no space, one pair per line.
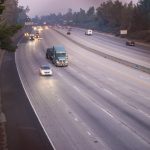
22,127
3,136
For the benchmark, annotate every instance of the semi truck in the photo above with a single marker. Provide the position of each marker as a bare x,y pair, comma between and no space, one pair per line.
58,55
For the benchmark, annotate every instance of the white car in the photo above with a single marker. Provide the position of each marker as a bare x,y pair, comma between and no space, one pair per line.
46,70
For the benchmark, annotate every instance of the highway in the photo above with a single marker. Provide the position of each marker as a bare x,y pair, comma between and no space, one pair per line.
116,46
94,103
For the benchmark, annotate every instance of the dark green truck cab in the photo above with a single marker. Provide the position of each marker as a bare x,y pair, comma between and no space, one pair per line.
58,55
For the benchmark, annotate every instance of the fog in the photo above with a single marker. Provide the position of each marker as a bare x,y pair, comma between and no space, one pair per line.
43,7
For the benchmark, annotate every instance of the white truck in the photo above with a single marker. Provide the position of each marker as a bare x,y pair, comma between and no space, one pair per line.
88,32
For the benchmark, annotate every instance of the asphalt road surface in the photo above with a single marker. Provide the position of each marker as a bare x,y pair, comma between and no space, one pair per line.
93,104
22,127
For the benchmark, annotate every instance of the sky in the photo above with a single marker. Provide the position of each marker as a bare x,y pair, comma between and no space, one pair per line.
45,7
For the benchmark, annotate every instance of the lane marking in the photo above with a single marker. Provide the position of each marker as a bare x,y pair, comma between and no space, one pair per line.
89,133
76,119
110,79
58,99
75,87
145,114
146,78
109,92
116,118
109,114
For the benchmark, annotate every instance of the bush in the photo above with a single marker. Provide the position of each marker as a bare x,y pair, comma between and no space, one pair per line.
144,35
7,44
1,9
6,32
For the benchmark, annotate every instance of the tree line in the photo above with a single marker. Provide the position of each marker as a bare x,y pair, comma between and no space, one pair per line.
110,16
12,18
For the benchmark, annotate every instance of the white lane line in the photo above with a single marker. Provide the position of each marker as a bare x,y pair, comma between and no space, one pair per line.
76,119
104,110
89,133
145,114
131,106
90,99
58,100
110,79
85,77
97,105
137,109
75,87
146,78
109,92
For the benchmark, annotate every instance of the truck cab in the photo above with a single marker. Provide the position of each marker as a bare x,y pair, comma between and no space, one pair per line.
58,55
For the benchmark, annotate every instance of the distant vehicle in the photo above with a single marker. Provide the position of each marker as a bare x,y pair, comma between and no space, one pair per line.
37,35
46,27
31,37
58,55
88,32
130,43
45,70
26,34
34,27
68,32
39,28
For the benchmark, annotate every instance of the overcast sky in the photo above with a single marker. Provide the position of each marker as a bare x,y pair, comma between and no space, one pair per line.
43,7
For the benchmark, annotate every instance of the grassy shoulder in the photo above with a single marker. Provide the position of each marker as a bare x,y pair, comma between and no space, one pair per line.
6,32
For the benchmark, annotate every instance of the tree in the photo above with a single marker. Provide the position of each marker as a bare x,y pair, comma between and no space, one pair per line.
91,11
115,15
2,7
22,14
144,9
68,15
127,15
9,15
90,14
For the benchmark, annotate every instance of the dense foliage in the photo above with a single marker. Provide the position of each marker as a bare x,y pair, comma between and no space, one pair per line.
2,7
6,32
11,20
